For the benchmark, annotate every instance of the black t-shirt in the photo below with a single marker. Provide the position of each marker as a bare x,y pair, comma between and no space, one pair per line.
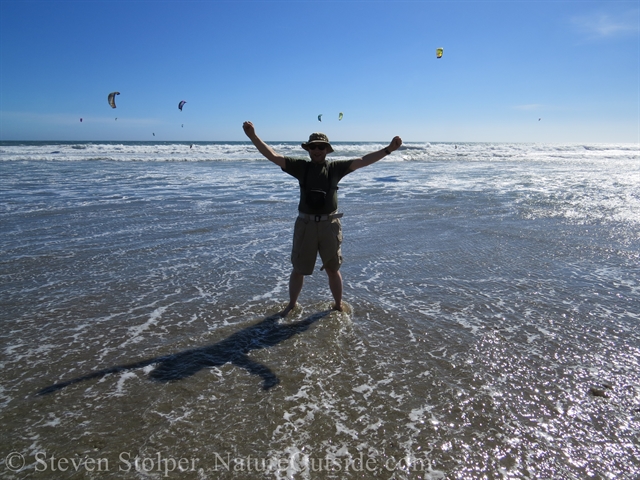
318,183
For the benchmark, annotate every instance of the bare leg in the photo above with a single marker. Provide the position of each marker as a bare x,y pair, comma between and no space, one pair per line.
335,284
295,287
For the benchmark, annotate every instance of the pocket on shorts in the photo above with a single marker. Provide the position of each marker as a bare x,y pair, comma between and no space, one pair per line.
332,249
336,228
298,236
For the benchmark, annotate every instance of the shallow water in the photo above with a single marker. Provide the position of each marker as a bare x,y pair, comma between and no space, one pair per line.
492,328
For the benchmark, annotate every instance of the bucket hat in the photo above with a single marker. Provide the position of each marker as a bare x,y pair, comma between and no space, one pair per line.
318,138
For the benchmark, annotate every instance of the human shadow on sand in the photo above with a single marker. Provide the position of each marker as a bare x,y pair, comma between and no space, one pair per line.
233,349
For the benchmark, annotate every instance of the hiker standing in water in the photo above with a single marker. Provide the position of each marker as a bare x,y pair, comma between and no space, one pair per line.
317,228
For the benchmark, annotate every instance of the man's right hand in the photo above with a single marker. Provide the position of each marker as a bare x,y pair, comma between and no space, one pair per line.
262,147
249,129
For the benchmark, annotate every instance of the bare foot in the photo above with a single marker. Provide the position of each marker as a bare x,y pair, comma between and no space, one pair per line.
337,308
286,311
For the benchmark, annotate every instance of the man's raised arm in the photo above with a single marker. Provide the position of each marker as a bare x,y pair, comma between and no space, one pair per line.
375,156
262,147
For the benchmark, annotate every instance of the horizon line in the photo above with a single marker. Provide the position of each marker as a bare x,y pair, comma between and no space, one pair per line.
333,141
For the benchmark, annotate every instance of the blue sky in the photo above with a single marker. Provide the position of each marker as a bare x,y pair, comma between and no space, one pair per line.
575,65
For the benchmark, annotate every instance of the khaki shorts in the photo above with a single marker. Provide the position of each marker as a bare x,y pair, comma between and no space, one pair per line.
310,238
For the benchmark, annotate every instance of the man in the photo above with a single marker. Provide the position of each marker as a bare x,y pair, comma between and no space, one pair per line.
317,228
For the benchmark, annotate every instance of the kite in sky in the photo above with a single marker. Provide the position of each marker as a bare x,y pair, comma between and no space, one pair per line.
340,116
181,104
320,117
439,52
112,99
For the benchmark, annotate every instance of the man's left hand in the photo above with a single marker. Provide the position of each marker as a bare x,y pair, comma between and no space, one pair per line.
395,144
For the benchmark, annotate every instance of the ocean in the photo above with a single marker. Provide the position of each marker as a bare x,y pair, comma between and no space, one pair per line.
491,327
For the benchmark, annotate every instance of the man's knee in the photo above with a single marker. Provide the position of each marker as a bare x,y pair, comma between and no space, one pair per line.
332,272
296,275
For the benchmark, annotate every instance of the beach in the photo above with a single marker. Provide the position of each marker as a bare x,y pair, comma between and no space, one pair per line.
491,328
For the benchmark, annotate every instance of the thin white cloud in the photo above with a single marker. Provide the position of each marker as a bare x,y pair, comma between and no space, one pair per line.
604,25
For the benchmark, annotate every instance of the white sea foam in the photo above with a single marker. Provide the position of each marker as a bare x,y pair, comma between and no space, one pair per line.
135,332
119,390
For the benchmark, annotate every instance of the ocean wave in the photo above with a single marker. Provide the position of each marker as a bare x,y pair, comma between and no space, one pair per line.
225,151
